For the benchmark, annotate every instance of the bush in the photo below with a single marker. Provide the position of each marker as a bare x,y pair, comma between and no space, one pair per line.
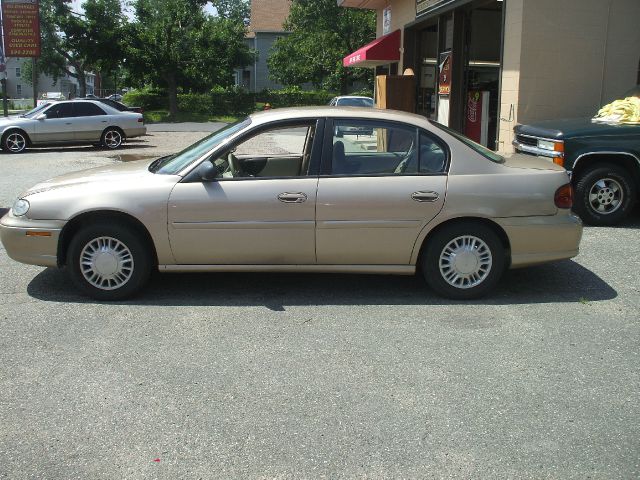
147,98
294,97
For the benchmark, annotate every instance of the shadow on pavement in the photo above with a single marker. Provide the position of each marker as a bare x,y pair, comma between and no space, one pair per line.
565,281
133,144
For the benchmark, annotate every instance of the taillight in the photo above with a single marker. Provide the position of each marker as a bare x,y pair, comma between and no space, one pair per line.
141,120
564,196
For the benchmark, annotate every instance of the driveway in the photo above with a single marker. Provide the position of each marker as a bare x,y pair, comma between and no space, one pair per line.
319,376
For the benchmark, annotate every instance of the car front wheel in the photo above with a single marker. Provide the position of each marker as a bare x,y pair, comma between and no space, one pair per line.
14,142
604,195
108,262
463,261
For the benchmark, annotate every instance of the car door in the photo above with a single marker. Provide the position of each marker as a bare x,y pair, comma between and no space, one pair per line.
377,191
89,121
261,208
57,126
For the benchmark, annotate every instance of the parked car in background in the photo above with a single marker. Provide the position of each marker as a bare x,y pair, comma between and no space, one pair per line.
115,96
279,191
351,101
121,107
603,158
70,122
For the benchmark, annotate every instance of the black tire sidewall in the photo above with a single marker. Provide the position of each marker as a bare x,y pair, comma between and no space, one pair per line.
141,259
431,258
104,135
584,184
6,148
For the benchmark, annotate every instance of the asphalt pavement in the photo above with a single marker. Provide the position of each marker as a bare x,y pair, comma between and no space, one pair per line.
320,376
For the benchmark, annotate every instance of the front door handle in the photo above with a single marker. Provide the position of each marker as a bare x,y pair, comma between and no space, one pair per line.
287,197
425,196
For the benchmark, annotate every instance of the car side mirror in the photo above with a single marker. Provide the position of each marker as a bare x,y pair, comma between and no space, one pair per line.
42,116
208,171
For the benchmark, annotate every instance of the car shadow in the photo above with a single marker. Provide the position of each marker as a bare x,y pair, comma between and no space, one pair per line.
89,148
565,281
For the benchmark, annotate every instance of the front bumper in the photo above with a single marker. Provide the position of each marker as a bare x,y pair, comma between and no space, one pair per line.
15,234
521,147
537,240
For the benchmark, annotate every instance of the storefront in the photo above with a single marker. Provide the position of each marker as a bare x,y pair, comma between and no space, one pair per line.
482,66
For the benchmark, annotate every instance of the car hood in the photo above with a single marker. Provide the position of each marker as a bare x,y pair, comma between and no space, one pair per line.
117,173
564,128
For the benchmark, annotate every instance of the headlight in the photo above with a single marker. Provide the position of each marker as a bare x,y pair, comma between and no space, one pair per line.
20,207
546,145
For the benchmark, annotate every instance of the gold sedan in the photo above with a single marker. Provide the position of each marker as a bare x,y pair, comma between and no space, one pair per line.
292,190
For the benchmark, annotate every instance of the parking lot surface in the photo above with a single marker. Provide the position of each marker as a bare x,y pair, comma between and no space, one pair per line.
318,376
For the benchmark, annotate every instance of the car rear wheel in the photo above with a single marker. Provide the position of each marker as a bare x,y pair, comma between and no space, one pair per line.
604,195
463,261
112,138
108,262
14,142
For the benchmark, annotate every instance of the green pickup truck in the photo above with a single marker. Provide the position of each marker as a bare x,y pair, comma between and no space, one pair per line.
603,160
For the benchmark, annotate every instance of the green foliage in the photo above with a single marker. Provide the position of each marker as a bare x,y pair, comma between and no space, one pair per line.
174,43
322,34
147,98
88,42
294,97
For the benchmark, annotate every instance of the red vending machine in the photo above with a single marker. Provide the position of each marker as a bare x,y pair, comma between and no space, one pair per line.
477,121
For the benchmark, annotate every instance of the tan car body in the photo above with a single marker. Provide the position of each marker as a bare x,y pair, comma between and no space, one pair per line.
347,223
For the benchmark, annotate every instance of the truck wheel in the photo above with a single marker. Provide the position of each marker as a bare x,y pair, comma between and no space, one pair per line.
604,195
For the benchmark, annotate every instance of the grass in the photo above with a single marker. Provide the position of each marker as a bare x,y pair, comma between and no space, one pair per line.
162,116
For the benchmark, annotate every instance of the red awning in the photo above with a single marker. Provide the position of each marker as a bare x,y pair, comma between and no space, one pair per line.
382,50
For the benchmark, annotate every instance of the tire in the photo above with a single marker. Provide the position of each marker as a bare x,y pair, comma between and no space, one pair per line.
112,138
117,262
482,264
15,141
605,195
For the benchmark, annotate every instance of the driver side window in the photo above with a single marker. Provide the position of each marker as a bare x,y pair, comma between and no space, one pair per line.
368,147
274,153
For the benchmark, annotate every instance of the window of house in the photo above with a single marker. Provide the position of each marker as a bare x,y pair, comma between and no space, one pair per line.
19,90
18,72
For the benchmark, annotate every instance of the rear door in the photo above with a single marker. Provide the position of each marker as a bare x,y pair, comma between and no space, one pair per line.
89,121
377,191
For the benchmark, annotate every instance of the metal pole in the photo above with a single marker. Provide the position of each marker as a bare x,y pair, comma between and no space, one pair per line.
34,81
5,105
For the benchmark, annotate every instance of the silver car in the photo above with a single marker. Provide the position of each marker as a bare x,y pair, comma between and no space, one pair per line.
280,191
70,122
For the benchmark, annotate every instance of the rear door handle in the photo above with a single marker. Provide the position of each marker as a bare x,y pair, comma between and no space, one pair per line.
425,196
288,197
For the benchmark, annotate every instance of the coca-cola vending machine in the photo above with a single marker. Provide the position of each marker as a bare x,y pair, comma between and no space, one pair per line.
477,124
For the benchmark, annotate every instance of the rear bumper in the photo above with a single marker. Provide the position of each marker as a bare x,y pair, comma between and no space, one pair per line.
537,240
135,132
33,250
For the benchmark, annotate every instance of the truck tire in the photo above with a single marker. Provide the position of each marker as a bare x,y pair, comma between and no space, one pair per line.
605,195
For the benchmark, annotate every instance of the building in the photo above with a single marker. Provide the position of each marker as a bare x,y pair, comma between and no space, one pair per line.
19,87
266,26
482,66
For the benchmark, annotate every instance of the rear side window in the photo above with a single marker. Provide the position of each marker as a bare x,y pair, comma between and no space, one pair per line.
433,158
85,109
485,152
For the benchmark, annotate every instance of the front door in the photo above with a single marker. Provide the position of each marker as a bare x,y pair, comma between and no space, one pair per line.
380,185
57,126
261,209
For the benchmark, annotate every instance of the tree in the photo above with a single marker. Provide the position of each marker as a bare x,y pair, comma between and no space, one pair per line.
175,43
75,43
322,34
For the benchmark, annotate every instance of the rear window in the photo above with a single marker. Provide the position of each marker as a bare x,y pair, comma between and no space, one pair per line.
355,102
484,151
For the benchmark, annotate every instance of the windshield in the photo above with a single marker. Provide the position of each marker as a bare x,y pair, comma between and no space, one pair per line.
485,152
35,111
355,102
172,164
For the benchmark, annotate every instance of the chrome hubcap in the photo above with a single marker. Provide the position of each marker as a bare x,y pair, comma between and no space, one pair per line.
465,262
16,142
606,196
106,263
112,139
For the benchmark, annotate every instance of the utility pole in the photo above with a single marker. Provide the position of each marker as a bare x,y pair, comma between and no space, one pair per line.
34,81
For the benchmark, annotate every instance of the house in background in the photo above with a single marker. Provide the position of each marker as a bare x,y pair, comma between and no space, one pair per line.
19,87
266,26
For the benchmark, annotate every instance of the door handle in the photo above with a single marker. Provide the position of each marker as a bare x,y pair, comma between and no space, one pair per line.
287,197
425,196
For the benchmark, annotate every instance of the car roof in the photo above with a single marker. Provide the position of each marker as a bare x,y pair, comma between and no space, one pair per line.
293,113
353,96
